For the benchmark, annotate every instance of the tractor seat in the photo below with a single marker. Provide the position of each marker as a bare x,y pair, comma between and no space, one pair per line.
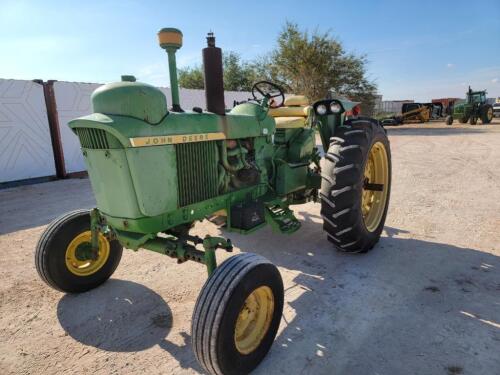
293,114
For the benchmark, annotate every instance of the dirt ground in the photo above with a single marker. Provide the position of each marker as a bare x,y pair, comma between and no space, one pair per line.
426,300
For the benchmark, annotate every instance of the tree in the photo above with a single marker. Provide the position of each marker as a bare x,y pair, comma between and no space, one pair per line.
238,75
316,65
191,78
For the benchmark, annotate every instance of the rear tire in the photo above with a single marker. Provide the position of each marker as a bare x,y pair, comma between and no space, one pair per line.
344,189
486,114
237,315
56,260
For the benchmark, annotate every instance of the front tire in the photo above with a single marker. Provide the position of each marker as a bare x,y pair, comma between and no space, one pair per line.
463,120
237,315
449,120
356,185
63,258
473,120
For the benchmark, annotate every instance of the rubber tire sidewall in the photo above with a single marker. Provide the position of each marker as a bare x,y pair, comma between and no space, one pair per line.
51,251
231,361
366,239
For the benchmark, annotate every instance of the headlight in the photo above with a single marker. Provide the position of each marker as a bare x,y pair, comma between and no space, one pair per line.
321,110
335,107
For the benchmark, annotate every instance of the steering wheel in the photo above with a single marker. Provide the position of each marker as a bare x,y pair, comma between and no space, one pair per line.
268,90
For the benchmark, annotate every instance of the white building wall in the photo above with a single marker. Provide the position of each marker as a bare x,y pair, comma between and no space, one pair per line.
25,145
72,101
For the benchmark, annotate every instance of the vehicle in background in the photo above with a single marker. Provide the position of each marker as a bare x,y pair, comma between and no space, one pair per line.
410,113
496,108
414,113
447,103
436,111
389,121
475,107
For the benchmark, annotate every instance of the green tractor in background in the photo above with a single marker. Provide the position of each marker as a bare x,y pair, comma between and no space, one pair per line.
156,171
475,107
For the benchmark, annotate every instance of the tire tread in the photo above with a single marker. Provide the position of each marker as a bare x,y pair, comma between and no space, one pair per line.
342,185
210,306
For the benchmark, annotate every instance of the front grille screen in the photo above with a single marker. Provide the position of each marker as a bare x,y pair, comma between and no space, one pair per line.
196,171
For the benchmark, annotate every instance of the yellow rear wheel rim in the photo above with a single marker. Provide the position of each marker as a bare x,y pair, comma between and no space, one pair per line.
376,172
81,265
254,320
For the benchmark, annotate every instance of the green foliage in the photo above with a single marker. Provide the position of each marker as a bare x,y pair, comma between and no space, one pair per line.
191,78
238,75
317,65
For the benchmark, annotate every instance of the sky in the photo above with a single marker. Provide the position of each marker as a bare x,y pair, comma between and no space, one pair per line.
415,49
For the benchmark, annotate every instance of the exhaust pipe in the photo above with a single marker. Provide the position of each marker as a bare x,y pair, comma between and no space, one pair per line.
214,81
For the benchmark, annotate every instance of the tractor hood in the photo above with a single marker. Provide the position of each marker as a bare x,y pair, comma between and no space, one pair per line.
129,98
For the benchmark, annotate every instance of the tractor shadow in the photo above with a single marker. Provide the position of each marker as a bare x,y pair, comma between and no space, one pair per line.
408,307
123,316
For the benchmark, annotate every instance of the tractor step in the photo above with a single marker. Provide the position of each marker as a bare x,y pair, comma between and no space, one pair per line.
282,219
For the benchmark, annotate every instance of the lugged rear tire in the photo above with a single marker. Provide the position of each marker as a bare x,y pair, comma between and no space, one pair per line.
486,114
54,255
347,224
218,345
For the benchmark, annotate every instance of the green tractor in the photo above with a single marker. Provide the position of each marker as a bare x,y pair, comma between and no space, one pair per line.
475,107
156,171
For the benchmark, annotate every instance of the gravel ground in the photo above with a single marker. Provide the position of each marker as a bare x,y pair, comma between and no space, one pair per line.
425,301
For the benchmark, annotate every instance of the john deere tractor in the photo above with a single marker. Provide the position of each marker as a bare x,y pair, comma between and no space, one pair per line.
474,108
155,171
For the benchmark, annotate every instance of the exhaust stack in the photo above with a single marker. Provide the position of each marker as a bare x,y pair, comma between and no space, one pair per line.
214,82
170,40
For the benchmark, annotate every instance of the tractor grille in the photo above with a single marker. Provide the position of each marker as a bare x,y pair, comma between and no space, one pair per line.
92,138
196,171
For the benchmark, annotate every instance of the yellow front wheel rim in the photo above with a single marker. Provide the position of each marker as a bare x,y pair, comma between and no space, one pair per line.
254,320
376,184
490,114
79,262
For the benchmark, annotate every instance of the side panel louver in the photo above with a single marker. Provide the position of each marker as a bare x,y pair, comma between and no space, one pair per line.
93,138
